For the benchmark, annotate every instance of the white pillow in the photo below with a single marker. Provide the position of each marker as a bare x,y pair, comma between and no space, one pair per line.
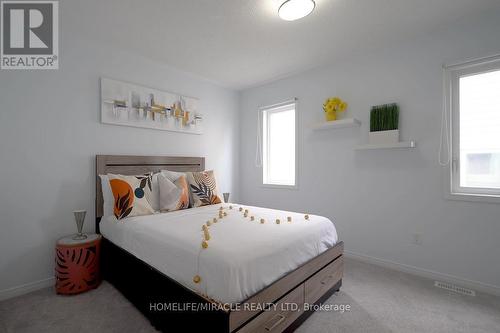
173,196
155,192
107,195
172,175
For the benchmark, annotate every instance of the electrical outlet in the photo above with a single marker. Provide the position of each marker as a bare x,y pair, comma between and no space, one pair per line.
417,238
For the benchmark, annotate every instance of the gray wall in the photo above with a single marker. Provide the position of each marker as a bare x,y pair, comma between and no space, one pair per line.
50,133
378,199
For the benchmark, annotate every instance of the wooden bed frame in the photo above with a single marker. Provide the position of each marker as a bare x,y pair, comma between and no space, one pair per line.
161,298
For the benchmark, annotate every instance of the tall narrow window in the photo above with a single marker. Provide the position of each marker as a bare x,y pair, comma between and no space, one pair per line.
475,106
279,145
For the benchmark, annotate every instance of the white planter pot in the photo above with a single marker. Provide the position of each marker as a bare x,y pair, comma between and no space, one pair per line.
383,137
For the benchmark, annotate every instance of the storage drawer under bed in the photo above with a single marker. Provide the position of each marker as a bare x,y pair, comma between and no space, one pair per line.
279,316
318,284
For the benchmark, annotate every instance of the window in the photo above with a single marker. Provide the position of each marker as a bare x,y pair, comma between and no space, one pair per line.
474,90
279,146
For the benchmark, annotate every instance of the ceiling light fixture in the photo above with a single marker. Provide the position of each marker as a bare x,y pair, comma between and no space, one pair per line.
292,10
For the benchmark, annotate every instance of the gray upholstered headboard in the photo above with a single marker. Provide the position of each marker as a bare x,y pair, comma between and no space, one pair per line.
136,165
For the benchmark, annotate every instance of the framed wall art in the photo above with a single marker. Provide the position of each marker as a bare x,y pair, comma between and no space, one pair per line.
128,104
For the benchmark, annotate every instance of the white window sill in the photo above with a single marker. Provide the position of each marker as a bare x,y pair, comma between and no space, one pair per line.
473,197
280,187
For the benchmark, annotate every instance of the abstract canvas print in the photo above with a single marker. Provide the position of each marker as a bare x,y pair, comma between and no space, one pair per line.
128,104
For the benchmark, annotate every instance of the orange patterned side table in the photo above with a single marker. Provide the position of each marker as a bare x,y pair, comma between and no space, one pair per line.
77,264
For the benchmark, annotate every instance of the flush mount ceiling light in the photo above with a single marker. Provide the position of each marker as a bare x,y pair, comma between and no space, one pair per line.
292,10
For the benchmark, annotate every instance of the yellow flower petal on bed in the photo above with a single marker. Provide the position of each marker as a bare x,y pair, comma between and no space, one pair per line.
206,234
241,208
209,223
196,279
225,214
252,218
278,221
306,217
289,219
215,220
204,244
204,227
262,221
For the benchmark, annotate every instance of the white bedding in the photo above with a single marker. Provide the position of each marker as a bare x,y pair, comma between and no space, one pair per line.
243,256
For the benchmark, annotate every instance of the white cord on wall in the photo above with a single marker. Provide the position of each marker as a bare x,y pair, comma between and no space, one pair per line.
258,150
444,156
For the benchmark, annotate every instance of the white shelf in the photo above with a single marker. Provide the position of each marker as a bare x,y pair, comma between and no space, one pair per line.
342,123
404,144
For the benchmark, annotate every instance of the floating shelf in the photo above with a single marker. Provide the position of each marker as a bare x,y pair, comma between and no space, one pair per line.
342,123
404,144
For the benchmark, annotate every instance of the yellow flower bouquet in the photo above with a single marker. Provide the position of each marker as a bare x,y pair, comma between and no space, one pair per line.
333,105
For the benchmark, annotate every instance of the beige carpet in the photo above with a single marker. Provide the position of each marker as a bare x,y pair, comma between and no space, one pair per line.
381,300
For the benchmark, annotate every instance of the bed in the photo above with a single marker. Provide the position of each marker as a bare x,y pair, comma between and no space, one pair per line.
251,276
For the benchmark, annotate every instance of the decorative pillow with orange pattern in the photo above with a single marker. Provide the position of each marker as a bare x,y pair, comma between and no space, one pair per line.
203,188
174,195
132,195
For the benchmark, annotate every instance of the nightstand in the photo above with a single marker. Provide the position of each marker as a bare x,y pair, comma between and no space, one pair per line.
77,264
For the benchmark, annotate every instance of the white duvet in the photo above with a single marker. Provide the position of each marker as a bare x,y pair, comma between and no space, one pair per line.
243,256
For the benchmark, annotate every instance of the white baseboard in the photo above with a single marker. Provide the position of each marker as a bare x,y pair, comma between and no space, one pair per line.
26,288
425,273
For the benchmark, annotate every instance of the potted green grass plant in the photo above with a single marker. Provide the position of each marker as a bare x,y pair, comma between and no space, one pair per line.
384,124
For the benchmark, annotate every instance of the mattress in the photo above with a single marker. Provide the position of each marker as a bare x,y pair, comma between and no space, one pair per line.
242,256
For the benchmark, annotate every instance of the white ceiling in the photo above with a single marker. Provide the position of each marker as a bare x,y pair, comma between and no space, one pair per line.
242,43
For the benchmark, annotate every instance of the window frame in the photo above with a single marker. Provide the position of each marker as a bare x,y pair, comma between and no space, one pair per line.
262,114
452,75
